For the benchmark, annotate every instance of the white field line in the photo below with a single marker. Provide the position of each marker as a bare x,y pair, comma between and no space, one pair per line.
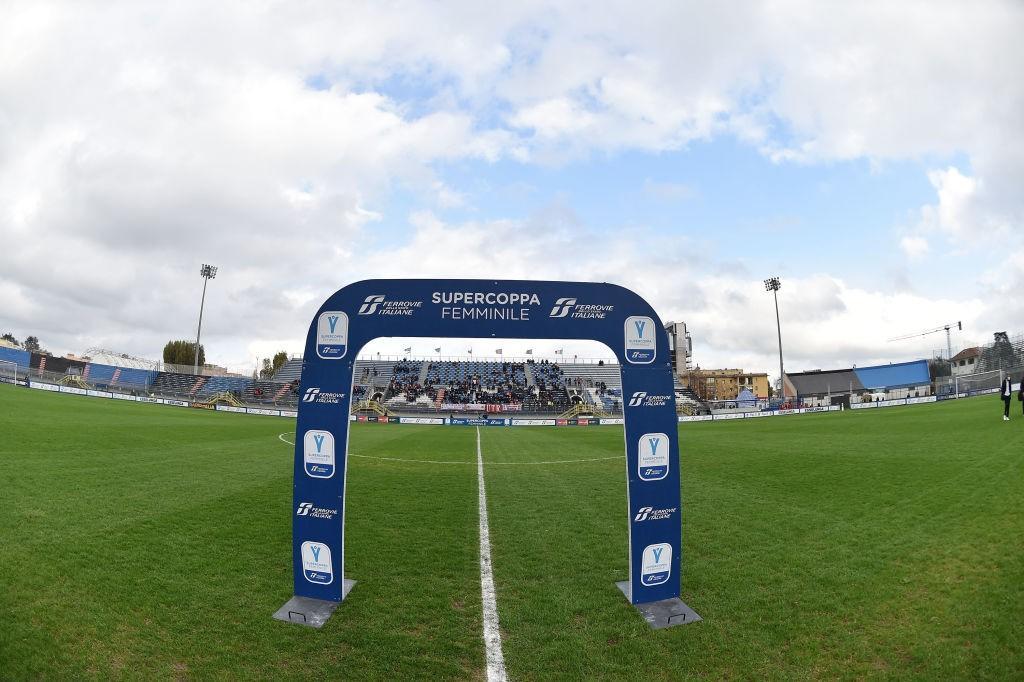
492,632
281,437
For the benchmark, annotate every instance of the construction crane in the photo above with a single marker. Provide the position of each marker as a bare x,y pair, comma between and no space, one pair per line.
945,327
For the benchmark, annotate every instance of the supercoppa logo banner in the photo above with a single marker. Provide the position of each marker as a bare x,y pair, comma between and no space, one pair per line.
318,453
641,340
657,564
317,566
332,335
653,459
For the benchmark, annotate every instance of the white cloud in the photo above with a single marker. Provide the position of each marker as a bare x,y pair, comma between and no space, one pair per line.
966,215
826,323
914,247
962,214
136,142
669,191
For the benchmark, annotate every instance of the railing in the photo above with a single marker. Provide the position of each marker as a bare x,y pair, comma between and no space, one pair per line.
222,398
370,406
583,408
204,370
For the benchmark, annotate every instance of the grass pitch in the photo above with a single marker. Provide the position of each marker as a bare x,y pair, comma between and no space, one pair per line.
142,541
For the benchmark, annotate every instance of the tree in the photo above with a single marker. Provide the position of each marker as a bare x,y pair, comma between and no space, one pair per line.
270,366
183,353
32,343
939,367
10,337
279,359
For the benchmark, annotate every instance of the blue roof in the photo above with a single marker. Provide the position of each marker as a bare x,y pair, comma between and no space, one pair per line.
913,373
20,357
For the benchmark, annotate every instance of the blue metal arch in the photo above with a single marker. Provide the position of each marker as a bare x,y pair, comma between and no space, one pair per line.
514,309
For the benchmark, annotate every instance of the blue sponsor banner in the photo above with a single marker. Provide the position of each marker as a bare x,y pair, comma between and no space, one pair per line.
652,461
514,309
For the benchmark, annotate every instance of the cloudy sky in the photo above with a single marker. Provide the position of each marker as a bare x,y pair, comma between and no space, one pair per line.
870,154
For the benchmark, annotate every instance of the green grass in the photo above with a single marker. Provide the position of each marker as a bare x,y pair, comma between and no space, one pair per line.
141,541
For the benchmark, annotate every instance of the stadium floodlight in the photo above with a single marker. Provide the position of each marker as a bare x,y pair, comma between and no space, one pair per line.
207,272
773,285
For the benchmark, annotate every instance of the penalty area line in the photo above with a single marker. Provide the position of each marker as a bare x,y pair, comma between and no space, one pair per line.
492,632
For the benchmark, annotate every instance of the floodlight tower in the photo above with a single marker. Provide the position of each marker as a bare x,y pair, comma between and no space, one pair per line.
207,272
773,285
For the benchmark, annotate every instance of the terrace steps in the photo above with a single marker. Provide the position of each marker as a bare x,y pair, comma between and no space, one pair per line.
198,385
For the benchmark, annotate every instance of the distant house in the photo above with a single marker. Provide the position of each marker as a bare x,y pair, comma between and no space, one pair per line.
965,362
724,384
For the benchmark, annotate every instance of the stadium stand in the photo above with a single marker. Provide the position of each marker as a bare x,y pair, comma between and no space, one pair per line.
138,379
478,382
549,394
288,393
688,402
1003,354
288,372
173,384
537,386
860,384
600,385
262,392
52,363
233,385
493,386
900,375
100,375
22,358
403,381
373,372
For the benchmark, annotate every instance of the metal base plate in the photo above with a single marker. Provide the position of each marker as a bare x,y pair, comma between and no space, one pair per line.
662,614
312,613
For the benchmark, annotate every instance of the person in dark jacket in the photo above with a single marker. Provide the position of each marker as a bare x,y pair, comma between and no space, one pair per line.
1006,392
1020,394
